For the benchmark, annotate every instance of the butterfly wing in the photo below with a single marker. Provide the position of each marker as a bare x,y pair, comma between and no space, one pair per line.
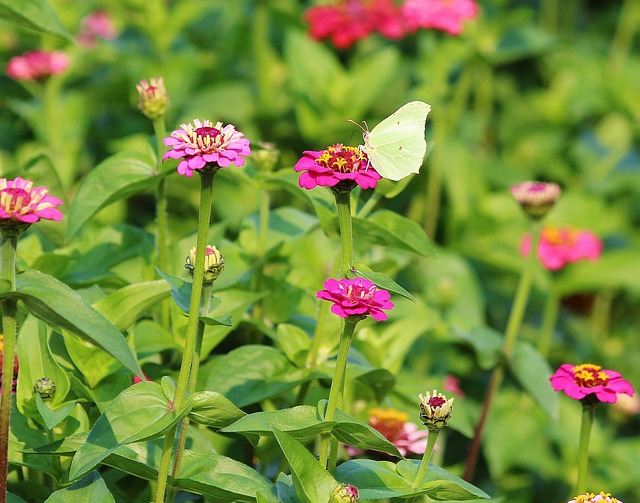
396,147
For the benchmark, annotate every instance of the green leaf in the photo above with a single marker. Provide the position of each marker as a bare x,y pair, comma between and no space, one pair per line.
207,320
312,483
180,290
533,372
52,418
487,344
140,412
379,279
118,177
36,15
388,228
90,488
350,431
58,305
213,409
295,343
12,498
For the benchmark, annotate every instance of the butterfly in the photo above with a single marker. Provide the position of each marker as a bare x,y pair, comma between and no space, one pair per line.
396,147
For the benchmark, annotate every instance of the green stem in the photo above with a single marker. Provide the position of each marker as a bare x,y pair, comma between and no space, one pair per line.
601,314
370,204
424,464
343,206
262,52
549,322
514,324
337,386
434,182
8,245
588,413
184,377
623,38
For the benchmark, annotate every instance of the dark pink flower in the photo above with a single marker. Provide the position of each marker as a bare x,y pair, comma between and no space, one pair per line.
203,145
20,201
335,164
394,426
444,15
386,18
561,246
589,380
356,297
37,65
344,23
98,24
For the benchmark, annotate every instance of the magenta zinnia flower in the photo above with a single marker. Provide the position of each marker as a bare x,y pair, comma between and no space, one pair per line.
356,297
21,202
37,65
594,498
203,145
345,23
589,380
335,164
444,15
561,246
98,24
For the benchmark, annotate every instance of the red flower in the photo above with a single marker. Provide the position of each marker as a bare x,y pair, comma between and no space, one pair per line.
561,246
356,297
588,380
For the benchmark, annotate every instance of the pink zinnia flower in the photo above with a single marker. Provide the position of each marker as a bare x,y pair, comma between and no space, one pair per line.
96,25
589,380
594,498
561,246
444,15
394,426
37,65
20,201
386,18
345,23
203,145
335,164
356,297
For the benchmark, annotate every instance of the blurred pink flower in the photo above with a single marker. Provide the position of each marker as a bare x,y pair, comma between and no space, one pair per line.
96,25
394,426
136,379
594,498
561,246
204,145
452,384
37,65
335,164
356,297
589,380
444,15
21,202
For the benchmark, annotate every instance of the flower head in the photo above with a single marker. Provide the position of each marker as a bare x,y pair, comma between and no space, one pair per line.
444,15
435,410
98,24
590,382
21,203
593,498
560,246
356,297
337,164
536,198
154,98
45,387
203,145
396,428
344,493
213,263
36,65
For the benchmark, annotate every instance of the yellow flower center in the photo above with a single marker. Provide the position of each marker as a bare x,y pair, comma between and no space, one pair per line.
588,375
342,159
389,422
560,237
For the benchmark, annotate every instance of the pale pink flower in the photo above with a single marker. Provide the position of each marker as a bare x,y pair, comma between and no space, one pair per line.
36,65
536,198
20,201
335,164
204,145
561,246
98,24
451,384
444,15
602,497
589,380
356,297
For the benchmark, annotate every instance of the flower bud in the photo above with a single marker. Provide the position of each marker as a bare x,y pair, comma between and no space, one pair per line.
344,493
266,157
154,99
435,410
213,263
536,198
45,387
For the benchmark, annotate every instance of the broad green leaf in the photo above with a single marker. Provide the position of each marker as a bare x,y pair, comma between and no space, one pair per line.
151,337
89,488
140,412
213,409
486,342
52,418
286,491
312,483
388,228
180,290
295,343
533,372
58,305
36,15
118,177
225,322
360,435
92,362
12,498
379,279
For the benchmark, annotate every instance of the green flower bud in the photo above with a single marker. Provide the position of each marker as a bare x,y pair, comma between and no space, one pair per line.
435,410
213,263
45,387
154,99
266,157
344,493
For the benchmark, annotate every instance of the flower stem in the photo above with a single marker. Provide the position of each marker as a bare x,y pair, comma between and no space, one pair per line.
588,413
337,386
549,322
184,377
424,464
622,42
8,246
343,206
513,328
